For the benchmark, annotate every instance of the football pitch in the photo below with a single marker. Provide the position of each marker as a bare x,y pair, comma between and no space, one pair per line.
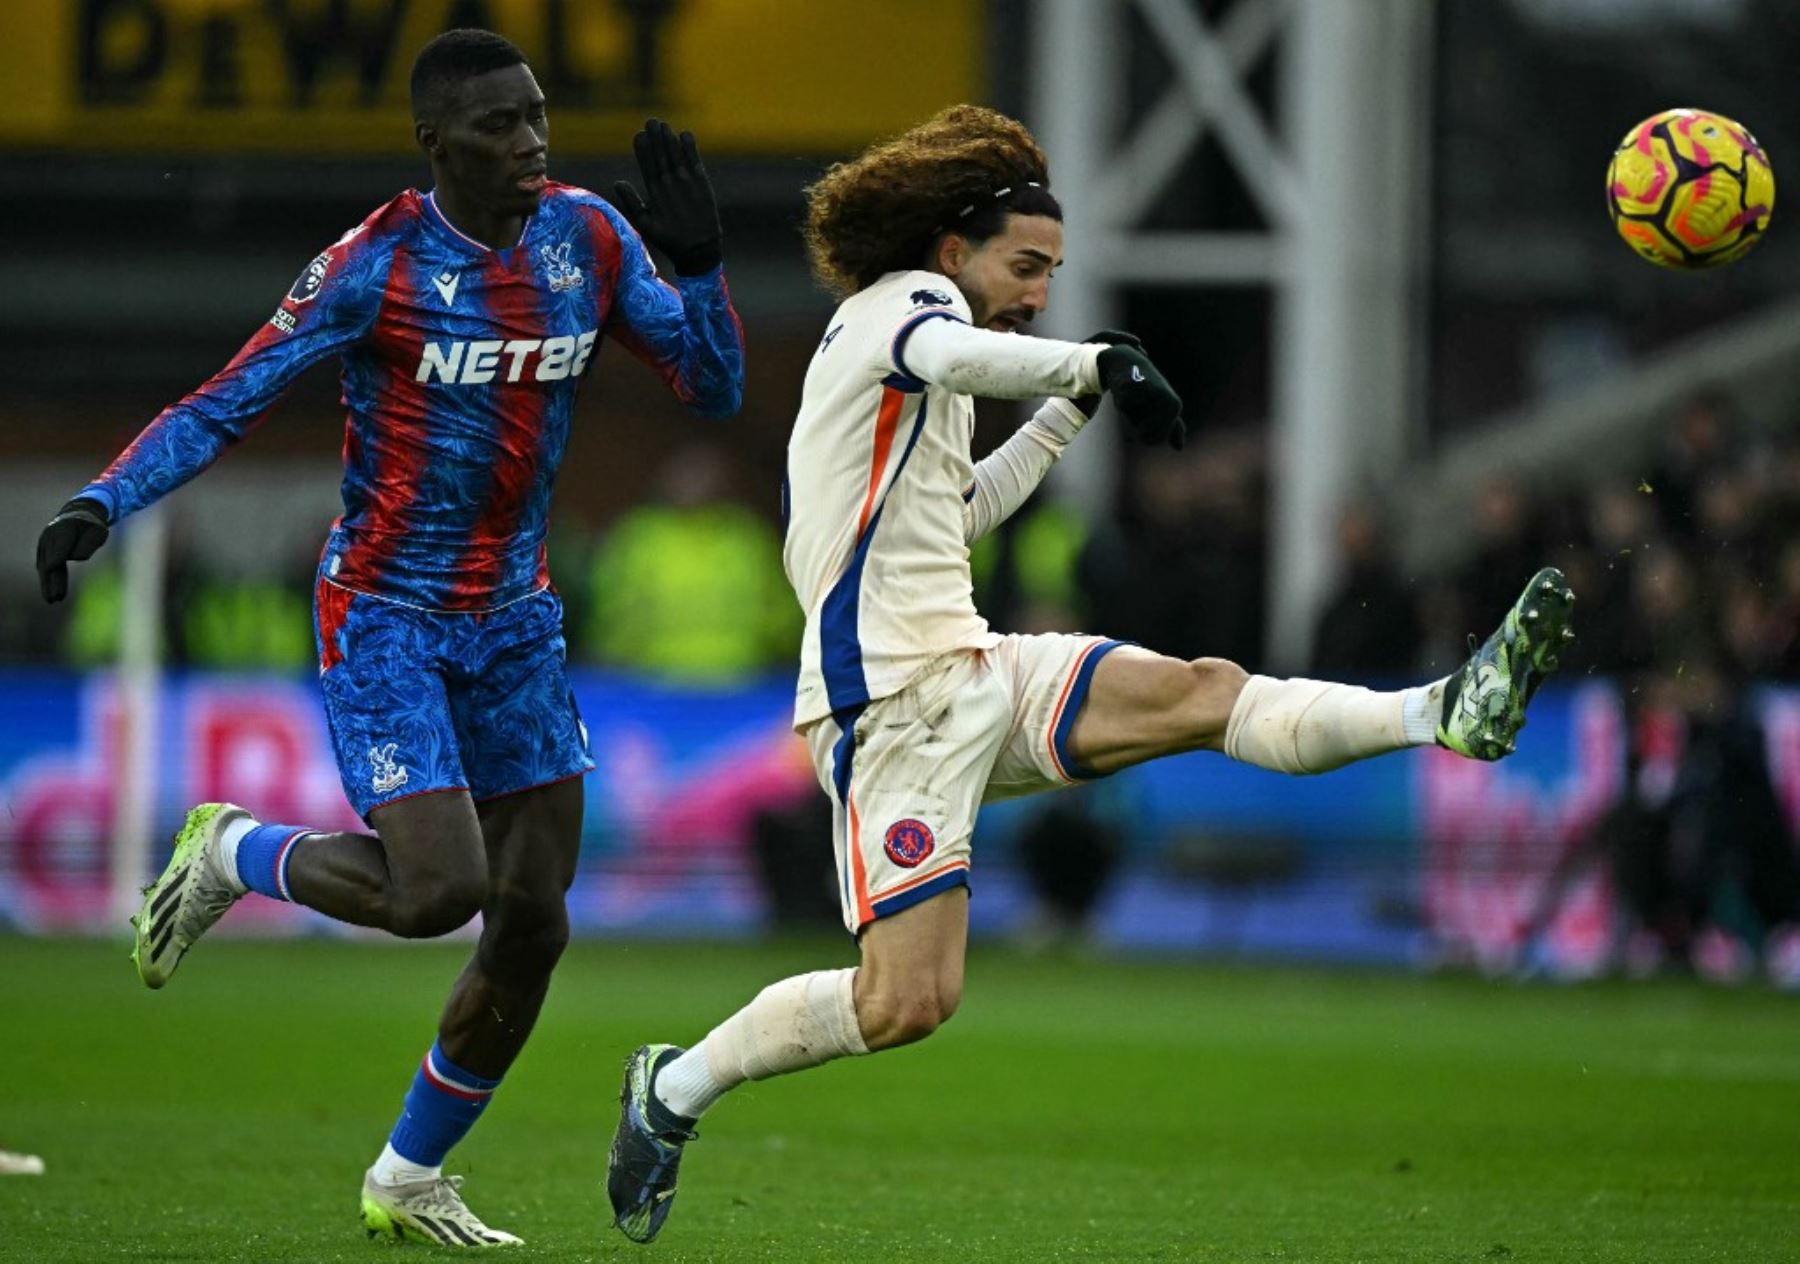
1074,1109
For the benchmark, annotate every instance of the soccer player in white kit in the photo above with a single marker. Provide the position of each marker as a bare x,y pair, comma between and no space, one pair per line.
942,243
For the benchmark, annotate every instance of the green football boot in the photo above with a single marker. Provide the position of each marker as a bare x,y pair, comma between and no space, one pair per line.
646,1149
1485,701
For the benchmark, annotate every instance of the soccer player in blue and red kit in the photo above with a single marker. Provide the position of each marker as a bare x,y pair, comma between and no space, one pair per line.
466,319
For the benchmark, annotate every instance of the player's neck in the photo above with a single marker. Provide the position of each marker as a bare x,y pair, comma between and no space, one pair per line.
495,230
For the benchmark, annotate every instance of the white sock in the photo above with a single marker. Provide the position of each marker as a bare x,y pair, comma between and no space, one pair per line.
229,839
1420,708
686,1085
391,1169
1311,726
791,1025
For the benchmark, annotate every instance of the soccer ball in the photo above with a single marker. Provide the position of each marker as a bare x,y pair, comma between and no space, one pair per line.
1690,189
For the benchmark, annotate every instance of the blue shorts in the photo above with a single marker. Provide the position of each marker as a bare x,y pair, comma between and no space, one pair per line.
420,701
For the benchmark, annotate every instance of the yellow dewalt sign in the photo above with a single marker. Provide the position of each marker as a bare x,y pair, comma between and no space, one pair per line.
329,76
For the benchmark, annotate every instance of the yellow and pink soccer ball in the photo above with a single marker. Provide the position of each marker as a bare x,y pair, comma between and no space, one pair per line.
1690,189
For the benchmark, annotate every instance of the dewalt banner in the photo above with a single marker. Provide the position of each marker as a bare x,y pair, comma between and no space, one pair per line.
329,76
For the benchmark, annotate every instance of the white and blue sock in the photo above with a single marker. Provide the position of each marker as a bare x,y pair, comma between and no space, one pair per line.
442,1105
258,855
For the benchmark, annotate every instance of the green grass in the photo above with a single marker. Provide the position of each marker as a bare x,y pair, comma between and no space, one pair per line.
1073,1110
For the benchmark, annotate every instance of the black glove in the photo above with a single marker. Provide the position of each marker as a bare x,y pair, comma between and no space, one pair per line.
72,536
1151,407
1090,404
682,217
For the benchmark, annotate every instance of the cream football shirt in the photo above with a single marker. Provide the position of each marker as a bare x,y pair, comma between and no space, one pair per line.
878,471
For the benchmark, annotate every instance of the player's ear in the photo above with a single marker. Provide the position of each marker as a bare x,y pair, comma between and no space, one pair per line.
427,135
952,253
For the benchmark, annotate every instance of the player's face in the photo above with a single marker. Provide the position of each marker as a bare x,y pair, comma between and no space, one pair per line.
492,143
1007,277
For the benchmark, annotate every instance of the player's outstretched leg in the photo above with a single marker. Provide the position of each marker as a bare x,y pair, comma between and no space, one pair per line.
1142,706
430,1211
1484,702
646,1148
193,892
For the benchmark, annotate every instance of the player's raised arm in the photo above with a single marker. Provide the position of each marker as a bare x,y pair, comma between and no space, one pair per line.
972,361
688,332
332,304
959,357
1007,476
935,345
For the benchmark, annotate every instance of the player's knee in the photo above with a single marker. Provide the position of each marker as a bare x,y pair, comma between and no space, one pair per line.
1217,682
903,1015
911,1019
428,909
944,1004
524,933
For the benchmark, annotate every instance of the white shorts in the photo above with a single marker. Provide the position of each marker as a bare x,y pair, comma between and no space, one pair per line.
908,778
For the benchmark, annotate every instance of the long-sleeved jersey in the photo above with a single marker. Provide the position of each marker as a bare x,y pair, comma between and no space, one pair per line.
882,494
460,369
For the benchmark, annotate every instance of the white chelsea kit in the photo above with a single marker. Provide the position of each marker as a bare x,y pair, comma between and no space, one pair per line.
914,710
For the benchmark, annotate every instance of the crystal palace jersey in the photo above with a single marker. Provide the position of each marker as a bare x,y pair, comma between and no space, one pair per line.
460,369
877,466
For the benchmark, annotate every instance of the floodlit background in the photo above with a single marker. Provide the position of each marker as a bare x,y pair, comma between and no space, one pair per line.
1367,241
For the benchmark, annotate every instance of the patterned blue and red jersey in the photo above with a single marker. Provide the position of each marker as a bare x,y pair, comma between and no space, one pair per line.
460,369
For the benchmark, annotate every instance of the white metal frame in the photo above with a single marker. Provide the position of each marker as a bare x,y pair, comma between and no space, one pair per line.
1341,195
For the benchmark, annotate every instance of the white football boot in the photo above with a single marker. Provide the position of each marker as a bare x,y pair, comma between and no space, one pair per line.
426,1211
193,893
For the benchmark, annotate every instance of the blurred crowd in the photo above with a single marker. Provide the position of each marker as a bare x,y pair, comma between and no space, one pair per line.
1690,596
1688,583
1688,573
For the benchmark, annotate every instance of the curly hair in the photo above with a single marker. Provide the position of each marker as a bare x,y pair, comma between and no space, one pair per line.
880,211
